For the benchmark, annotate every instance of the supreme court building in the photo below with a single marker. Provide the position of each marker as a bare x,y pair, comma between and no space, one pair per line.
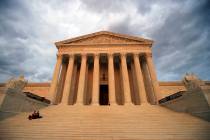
104,68
105,86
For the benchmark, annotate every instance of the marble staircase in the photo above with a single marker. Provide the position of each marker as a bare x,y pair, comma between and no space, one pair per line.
143,122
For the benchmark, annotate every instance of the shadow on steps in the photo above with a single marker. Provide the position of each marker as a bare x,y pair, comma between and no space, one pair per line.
16,103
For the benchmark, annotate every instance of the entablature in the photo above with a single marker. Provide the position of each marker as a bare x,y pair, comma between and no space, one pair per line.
105,49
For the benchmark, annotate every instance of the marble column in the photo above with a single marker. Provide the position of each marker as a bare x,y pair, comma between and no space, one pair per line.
111,79
54,83
153,76
95,95
126,85
61,83
67,85
140,81
81,84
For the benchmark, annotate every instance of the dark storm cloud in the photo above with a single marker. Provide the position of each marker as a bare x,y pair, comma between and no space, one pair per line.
181,43
104,6
122,26
144,6
11,12
16,33
13,56
110,6
12,50
179,28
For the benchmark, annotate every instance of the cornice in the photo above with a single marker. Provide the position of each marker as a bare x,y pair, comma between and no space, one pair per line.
122,36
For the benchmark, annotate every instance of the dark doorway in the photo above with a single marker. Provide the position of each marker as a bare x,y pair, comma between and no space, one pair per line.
104,98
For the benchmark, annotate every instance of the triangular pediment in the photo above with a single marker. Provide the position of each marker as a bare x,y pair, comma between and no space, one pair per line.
104,37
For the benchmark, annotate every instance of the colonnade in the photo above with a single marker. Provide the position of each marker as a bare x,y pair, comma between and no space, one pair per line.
63,73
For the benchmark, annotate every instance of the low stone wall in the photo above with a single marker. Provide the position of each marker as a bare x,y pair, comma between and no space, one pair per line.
168,88
40,89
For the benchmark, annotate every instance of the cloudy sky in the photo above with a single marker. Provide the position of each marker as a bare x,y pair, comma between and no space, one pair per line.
29,28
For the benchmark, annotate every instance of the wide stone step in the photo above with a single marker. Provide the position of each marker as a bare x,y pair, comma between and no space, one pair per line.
128,122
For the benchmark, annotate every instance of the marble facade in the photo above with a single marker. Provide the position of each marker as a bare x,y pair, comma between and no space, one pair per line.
104,68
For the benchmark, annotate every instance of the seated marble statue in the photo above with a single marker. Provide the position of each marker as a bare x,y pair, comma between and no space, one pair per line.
192,82
15,84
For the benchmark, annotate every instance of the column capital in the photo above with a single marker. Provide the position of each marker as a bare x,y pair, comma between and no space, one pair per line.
71,54
136,54
123,54
96,55
59,55
110,54
148,54
83,54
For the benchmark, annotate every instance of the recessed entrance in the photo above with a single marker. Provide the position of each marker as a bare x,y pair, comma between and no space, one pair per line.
104,98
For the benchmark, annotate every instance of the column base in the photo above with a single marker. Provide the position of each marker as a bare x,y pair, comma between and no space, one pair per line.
146,103
94,104
113,104
53,103
79,104
64,104
130,103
